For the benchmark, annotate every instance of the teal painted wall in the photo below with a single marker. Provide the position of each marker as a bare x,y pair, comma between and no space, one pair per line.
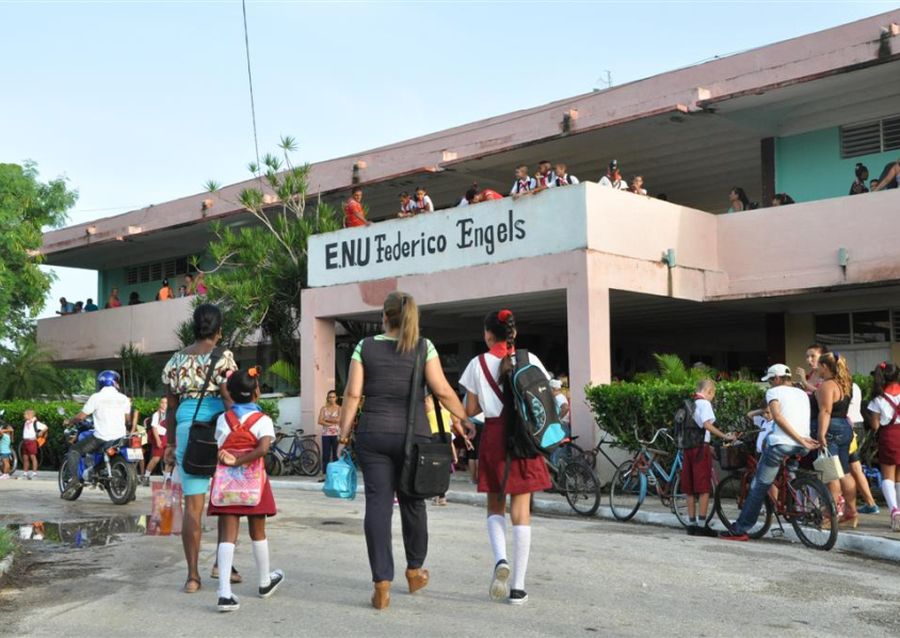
809,166
116,278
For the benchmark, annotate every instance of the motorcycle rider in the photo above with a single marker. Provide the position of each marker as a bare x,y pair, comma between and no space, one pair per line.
110,409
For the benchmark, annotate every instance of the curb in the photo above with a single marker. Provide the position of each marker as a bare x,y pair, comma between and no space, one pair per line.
868,546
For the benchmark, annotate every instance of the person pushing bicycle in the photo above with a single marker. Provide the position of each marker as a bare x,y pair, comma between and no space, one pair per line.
790,411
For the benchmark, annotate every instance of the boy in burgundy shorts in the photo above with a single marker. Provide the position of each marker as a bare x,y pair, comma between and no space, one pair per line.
696,472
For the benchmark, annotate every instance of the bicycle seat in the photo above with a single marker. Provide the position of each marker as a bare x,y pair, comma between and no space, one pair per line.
298,432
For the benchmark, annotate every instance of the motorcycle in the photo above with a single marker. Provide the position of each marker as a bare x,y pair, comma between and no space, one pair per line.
111,468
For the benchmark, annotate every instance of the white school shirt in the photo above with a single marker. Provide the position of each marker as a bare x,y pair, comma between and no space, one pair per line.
523,186
567,180
409,207
619,184
156,424
765,427
463,202
883,409
474,381
560,400
31,428
110,408
427,205
263,427
854,412
703,412
794,404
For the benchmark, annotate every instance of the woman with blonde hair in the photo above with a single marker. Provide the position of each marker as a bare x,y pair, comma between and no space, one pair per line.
835,432
380,370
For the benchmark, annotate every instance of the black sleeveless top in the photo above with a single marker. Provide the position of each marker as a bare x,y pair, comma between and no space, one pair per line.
386,388
840,408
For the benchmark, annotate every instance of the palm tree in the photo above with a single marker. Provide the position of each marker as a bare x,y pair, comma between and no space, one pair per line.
26,371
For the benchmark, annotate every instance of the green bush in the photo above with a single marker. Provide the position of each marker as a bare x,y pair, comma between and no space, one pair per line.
623,408
7,543
46,413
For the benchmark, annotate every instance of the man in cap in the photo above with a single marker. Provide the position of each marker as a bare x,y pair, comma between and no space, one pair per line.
613,179
789,436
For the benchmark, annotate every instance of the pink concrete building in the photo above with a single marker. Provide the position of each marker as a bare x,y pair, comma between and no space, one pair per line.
600,279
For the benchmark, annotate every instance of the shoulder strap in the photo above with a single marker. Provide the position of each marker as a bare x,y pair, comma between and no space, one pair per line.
896,406
522,358
414,385
490,379
233,421
214,357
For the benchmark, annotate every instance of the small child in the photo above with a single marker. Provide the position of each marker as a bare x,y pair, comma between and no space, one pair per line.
524,184
32,431
696,474
423,201
6,434
408,207
244,422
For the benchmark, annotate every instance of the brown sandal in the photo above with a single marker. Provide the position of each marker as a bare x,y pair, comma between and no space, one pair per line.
188,590
236,578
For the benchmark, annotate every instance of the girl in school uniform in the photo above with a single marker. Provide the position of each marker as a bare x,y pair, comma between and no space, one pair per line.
244,434
884,417
488,392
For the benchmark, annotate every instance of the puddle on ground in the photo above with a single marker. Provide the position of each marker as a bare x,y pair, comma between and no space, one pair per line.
97,532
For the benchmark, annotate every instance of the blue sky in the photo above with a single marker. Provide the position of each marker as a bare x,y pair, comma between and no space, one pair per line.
142,102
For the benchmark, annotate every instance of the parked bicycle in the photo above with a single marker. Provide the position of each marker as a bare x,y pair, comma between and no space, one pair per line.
576,480
799,497
634,479
303,457
591,456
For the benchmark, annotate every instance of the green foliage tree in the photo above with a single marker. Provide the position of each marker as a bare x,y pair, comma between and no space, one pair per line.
141,374
261,268
27,206
26,370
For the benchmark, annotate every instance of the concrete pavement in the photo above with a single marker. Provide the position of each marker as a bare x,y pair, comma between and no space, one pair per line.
586,576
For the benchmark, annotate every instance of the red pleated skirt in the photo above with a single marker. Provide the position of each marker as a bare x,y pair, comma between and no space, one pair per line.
525,475
889,445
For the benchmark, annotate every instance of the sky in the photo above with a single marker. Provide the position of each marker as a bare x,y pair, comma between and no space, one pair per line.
138,103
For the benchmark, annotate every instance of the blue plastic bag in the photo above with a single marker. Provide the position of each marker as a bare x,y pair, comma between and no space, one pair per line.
340,478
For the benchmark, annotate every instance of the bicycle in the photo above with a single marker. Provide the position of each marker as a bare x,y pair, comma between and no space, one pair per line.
802,499
303,457
590,456
576,480
630,483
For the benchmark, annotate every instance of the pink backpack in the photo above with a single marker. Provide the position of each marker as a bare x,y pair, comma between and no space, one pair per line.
241,484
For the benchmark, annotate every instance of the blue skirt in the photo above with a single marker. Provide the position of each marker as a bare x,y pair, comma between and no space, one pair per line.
184,416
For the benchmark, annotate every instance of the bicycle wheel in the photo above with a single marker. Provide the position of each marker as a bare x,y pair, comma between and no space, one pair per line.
812,513
582,488
274,466
680,501
627,491
307,463
13,462
729,501
308,442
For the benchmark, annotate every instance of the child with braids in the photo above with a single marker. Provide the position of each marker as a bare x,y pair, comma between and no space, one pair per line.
884,413
486,379
244,434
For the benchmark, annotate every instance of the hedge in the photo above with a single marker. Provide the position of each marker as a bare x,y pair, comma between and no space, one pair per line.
46,413
621,407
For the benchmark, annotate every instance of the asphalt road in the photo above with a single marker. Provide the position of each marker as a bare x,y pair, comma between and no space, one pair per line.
587,577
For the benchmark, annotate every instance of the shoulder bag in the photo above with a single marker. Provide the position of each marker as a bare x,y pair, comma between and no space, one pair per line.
201,454
426,466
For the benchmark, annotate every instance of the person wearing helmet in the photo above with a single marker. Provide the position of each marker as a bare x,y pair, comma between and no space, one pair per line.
110,409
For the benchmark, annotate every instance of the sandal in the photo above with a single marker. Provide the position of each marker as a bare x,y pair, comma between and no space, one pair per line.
192,590
236,578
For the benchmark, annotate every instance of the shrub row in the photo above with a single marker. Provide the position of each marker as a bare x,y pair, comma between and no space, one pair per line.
47,413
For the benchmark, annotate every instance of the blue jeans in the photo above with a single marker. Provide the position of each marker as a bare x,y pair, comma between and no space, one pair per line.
765,475
839,437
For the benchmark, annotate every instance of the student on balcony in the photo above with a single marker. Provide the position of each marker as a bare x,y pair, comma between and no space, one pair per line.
561,177
858,187
165,292
738,200
890,176
544,176
354,213
524,184
407,206
134,298
423,201
113,300
613,179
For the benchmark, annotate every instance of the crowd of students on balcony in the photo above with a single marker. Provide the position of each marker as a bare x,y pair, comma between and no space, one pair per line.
554,176
192,285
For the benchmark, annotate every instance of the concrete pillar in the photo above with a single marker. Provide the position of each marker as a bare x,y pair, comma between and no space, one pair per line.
588,319
316,363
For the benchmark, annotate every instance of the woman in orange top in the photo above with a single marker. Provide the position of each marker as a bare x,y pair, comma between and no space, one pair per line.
354,213
165,292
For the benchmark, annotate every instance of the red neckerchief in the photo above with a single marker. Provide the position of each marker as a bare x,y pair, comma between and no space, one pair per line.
892,388
699,396
500,350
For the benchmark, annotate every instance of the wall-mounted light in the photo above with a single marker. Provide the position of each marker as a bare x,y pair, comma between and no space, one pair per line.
669,258
90,230
843,257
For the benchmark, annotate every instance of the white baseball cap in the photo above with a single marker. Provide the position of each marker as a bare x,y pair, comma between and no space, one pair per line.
777,370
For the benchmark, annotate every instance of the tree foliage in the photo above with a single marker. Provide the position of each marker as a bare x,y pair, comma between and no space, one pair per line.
27,206
26,370
261,268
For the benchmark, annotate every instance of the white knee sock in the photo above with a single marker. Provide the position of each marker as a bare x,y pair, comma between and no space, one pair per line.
226,560
261,556
496,526
889,489
521,550
897,494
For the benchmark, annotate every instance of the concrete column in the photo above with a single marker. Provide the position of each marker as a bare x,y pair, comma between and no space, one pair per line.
316,361
588,319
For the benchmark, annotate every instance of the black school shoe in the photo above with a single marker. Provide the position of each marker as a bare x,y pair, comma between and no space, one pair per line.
228,604
275,579
517,597
707,531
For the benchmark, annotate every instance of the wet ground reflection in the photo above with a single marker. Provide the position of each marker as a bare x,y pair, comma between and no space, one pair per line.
96,532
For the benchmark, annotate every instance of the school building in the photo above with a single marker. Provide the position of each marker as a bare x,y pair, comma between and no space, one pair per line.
599,279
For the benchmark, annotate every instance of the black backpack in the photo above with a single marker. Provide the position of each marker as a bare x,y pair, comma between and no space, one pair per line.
687,434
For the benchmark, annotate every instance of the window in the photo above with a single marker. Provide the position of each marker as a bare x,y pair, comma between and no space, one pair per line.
870,137
871,326
158,271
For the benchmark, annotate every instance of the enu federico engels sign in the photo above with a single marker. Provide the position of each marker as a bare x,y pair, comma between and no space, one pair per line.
486,233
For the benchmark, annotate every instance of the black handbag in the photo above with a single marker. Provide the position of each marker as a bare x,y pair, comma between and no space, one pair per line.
426,466
202,453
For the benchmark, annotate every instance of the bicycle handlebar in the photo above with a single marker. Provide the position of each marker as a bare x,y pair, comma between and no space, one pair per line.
663,431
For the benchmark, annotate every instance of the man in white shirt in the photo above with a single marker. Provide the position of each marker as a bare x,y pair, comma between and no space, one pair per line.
613,179
790,435
110,409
